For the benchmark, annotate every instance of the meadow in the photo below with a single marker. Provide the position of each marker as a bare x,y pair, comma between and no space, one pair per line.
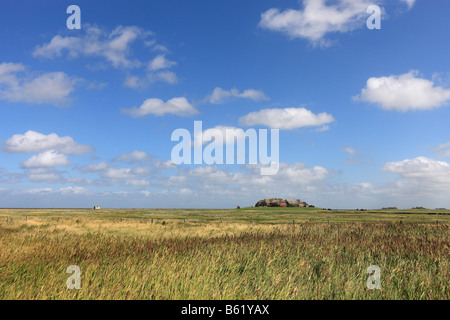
248,253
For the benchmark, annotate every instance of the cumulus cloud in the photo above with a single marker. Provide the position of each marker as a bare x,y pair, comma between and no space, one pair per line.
317,18
37,191
421,181
300,173
404,92
136,82
288,175
94,167
157,71
165,165
160,62
113,46
18,85
177,106
72,190
421,174
46,159
33,141
246,186
125,173
288,118
220,95
45,175
164,76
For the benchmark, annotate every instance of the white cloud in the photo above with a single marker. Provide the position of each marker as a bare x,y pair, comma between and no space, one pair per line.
33,141
164,76
84,182
288,118
46,159
289,175
136,82
156,47
220,95
45,175
349,150
156,72
443,150
135,155
94,167
300,173
426,171
404,92
18,85
421,182
410,3
125,173
164,165
177,106
160,62
116,48
72,190
318,18
113,46
38,190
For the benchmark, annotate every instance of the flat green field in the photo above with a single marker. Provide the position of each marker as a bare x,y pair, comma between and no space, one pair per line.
250,253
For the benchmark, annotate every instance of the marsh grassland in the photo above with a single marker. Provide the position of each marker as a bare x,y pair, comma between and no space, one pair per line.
251,253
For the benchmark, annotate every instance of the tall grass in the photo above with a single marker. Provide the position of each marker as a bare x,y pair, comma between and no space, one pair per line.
310,261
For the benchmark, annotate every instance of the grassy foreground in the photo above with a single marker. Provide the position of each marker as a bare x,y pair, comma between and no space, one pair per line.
252,253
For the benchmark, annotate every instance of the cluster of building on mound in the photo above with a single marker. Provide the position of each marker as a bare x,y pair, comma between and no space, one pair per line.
278,202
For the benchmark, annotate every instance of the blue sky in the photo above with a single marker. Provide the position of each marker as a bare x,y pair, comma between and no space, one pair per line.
87,115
